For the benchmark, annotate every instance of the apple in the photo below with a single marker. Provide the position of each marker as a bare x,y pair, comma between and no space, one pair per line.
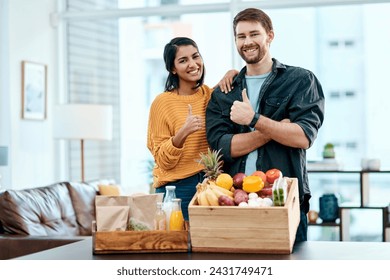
238,179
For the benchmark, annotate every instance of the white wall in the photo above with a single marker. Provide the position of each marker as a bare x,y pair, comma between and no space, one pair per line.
4,97
30,37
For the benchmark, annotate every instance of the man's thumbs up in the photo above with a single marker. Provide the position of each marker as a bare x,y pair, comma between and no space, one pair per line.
242,112
189,109
245,96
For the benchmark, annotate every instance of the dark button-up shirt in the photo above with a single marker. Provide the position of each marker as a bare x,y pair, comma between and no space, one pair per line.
288,93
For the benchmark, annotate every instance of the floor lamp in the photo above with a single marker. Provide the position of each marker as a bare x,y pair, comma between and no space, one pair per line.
82,122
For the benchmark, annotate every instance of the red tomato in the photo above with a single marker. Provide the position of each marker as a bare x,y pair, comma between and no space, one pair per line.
261,174
272,175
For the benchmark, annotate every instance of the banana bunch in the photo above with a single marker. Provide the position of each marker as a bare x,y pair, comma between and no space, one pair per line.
208,193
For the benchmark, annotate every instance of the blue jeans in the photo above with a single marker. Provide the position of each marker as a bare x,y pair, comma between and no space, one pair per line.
185,189
302,228
301,234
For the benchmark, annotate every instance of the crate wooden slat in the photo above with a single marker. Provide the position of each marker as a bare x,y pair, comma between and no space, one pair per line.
117,242
245,229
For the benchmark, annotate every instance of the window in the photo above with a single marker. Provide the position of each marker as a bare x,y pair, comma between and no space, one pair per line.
93,77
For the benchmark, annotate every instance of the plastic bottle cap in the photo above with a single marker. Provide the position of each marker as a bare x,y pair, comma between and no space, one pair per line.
170,187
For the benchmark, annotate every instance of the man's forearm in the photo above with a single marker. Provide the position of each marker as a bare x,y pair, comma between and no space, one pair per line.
285,133
244,143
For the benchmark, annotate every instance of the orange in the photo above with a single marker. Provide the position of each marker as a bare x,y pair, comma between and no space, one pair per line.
224,180
252,183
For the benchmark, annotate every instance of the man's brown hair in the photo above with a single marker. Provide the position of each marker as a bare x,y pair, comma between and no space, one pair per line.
253,15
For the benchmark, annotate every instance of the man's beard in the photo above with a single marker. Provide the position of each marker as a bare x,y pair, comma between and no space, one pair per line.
253,60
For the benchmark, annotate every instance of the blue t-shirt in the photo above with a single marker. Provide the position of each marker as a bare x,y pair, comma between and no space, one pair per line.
253,84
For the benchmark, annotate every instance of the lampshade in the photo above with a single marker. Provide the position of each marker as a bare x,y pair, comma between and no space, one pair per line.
83,121
3,156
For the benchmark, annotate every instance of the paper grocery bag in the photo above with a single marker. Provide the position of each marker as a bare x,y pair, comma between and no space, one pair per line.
142,210
112,212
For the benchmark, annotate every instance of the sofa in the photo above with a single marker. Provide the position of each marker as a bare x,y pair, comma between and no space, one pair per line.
44,217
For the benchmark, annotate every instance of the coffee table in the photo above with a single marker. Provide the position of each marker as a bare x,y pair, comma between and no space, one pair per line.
310,250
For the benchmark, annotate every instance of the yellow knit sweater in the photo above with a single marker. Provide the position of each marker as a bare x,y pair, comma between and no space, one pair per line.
168,114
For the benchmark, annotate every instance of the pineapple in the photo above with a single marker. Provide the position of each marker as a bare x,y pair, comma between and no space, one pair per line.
208,192
212,164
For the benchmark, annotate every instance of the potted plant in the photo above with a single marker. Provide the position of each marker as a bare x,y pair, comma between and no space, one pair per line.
328,151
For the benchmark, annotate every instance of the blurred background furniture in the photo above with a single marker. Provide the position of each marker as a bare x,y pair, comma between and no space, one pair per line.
44,217
372,196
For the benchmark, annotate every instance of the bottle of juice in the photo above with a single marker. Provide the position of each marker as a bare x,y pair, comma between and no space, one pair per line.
160,219
170,194
176,221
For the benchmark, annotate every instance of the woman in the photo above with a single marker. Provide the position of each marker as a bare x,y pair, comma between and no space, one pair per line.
176,131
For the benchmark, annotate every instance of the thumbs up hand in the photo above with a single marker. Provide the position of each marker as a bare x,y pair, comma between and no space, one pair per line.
245,97
193,123
242,112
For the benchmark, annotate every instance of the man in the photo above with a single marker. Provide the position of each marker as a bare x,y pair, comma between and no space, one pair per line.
271,116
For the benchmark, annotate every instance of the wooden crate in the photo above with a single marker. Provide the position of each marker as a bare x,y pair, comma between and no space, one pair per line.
236,229
154,241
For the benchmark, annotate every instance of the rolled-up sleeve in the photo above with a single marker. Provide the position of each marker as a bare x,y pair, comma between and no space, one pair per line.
219,128
307,108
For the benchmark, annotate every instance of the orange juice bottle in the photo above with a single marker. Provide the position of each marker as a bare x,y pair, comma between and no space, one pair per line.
167,205
176,221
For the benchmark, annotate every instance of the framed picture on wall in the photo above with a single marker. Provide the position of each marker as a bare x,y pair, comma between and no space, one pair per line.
34,90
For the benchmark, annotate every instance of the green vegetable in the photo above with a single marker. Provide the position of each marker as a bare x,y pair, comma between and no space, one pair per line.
137,226
278,197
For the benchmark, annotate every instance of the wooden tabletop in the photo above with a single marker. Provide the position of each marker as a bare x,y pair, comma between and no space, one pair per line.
310,250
